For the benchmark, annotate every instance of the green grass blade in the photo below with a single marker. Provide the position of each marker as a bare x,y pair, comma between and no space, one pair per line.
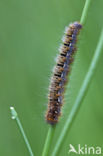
85,11
81,95
48,140
15,116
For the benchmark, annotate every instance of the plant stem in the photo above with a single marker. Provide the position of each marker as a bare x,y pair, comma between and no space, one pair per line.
81,95
15,116
85,11
51,129
48,140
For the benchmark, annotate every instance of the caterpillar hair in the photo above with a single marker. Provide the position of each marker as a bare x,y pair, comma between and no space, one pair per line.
60,73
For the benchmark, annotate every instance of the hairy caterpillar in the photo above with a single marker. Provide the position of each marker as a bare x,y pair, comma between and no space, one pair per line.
61,71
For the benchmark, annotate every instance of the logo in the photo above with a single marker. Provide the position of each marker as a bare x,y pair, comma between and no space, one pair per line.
85,149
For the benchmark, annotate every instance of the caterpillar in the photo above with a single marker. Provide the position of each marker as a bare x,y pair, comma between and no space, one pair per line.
60,73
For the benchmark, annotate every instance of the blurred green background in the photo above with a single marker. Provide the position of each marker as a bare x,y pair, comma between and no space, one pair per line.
30,35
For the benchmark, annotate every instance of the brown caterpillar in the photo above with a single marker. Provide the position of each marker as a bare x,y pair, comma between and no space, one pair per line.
61,70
